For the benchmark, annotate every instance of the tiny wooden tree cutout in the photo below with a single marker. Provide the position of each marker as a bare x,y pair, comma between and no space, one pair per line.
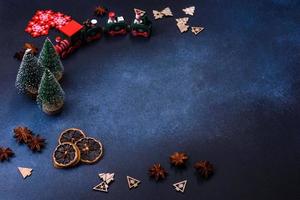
180,186
25,172
132,182
157,14
139,11
107,177
102,187
167,12
197,30
189,10
182,20
182,27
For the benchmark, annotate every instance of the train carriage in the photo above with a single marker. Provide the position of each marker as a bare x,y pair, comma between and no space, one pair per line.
117,26
143,28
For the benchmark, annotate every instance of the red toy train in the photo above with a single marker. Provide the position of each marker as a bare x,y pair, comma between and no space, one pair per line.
76,34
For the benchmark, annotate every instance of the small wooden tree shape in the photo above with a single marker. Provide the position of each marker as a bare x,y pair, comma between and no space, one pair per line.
50,59
50,94
29,75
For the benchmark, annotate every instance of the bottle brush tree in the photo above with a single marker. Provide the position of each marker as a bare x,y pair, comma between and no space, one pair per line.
50,59
50,94
29,74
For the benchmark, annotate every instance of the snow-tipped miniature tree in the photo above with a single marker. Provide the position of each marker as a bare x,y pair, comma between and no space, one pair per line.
50,59
50,95
29,75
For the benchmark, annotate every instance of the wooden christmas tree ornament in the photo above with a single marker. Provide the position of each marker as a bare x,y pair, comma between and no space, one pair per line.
180,186
182,20
25,172
132,182
167,12
102,187
189,10
139,11
197,29
107,177
182,27
157,14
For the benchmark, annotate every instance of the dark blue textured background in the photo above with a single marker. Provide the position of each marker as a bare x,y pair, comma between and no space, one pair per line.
230,95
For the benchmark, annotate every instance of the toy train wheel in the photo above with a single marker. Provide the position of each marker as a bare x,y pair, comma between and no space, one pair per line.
111,33
77,44
123,32
119,32
92,38
146,34
64,54
143,34
71,50
134,33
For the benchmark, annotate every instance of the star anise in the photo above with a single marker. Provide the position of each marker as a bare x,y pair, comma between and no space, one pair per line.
34,49
205,168
5,153
100,11
19,55
178,159
22,134
157,172
87,23
36,143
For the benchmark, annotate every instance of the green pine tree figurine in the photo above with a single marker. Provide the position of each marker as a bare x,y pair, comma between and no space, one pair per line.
29,75
50,59
50,95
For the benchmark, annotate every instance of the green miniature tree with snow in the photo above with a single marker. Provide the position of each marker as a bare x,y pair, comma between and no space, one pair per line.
29,75
50,59
50,94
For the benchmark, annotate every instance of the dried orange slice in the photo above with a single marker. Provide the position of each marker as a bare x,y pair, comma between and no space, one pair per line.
71,135
90,149
66,155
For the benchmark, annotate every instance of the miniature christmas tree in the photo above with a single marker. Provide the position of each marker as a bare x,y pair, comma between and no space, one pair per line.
29,74
50,59
50,94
